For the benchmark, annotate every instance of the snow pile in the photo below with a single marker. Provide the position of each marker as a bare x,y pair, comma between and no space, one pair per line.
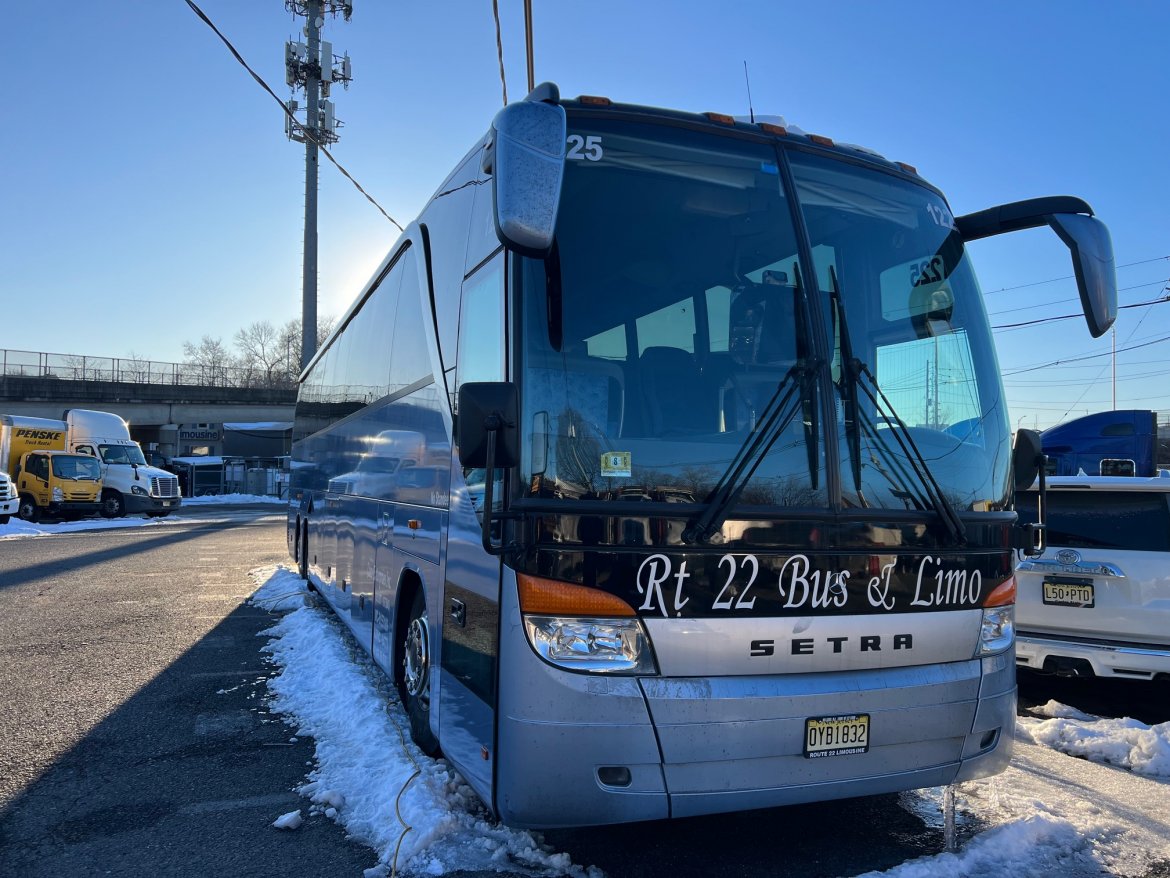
414,811
18,527
1049,815
1039,845
1123,742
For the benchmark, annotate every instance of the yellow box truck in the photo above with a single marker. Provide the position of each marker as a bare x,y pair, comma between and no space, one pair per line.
50,481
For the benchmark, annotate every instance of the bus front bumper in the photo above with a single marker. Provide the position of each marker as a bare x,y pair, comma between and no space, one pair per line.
586,750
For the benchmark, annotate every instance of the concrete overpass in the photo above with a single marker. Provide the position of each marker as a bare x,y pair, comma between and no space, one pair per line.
145,405
169,419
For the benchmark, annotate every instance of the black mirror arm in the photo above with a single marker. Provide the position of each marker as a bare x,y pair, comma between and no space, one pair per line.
493,424
1016,216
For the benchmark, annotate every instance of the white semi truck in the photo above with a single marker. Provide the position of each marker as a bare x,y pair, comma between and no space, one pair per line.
129,484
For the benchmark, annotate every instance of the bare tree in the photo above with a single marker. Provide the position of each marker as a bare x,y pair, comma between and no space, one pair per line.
261,349
290,335
211,358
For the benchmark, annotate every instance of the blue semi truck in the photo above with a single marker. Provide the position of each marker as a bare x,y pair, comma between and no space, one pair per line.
1115,443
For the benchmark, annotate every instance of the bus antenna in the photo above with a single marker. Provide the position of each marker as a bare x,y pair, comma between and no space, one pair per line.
748,82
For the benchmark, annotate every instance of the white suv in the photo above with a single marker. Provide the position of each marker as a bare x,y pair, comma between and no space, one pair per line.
1097,602
9,500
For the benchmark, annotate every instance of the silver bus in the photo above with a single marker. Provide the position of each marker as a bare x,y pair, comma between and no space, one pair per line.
707,503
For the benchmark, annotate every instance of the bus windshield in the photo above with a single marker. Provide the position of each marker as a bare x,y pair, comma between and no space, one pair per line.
683,324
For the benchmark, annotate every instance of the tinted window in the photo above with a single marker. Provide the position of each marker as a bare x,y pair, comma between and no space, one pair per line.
1103,519
481,342
409,360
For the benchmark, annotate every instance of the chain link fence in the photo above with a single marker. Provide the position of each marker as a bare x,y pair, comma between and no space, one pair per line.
133,370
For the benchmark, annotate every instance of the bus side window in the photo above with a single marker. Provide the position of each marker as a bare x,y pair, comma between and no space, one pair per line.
481,325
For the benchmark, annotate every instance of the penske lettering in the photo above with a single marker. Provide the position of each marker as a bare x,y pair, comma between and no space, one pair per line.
25,433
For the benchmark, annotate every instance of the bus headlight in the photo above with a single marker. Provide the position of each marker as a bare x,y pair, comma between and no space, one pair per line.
999,629
58,495
607,646
583,629
999,618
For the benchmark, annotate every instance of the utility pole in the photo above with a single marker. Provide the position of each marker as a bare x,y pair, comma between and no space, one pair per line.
311,65
528,43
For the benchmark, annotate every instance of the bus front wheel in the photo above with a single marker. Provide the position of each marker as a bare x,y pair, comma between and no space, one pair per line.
415,685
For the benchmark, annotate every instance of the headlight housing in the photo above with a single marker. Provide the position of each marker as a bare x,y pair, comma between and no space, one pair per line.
998,631
138,489
602,646
583,629
58,495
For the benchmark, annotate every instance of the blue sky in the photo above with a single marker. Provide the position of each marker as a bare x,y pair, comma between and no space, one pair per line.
149,195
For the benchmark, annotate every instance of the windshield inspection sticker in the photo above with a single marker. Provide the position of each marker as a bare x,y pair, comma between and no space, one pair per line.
616,464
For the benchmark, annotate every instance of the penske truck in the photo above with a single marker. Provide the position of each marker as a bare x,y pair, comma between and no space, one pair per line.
50,481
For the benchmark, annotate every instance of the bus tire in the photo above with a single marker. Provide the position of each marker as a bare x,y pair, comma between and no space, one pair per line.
113,506
29,510
415,680
303,550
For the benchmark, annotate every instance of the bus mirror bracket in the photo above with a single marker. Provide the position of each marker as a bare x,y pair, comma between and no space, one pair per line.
1029,463
487,437
1086,237
527,158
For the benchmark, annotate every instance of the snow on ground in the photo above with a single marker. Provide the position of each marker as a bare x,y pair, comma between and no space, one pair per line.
1123,742
416,812
19,528
1048,814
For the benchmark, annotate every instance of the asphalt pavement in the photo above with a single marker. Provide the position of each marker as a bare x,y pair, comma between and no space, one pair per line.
135,736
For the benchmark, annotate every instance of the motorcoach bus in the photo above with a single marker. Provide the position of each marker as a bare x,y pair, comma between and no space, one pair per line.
708,500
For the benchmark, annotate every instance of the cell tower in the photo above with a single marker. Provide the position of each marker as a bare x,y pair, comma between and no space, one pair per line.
312,66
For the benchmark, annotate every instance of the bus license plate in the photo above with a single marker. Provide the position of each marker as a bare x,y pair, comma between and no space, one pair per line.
836,735
1068,593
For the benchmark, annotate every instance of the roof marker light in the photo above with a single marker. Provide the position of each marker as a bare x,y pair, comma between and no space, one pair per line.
722,118
595,100
821,139
909,169
778,130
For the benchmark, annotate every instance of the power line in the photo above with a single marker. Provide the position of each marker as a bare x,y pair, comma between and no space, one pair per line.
264,85
500,49
1053,280
1071,316
1087,357
1070,299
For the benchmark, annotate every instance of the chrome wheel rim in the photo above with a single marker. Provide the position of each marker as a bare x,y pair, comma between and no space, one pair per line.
415,663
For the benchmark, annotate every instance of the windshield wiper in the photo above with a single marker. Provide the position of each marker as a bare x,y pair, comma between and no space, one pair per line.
793,393
852,371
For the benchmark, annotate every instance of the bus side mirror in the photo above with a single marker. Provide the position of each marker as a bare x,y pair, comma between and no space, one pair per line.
1084,235
1092,254
527,161
488,414
1028,462
1027,459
